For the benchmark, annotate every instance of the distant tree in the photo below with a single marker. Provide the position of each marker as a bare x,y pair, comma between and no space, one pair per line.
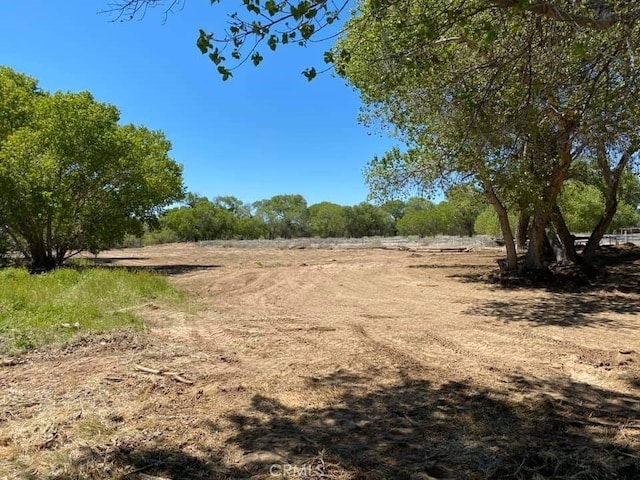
251,228
234,205
467,202
327,219
286,216
366,220
395,209
582,206
418,203
199,220
487,222
72,178
424,222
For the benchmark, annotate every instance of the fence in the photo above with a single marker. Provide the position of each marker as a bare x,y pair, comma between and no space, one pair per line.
478,241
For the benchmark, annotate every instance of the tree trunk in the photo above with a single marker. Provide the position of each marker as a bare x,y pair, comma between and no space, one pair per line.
568,240
542,215
505,227
556,245
534,259
41,259
522,231
612,180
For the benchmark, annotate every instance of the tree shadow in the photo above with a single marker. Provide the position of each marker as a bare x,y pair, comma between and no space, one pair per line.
560,309
163,269
415,430
147,463
410,429
617,269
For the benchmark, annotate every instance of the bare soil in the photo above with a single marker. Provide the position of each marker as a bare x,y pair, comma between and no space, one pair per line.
341,364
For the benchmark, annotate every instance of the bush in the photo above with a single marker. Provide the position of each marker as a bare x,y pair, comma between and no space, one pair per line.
157,237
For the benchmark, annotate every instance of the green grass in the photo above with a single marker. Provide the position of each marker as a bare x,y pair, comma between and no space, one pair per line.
52,307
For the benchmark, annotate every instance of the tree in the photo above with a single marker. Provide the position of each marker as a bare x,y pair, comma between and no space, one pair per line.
234,205
327,219
423,222
366,220
467,202
72,179
286,216
499,94
280,24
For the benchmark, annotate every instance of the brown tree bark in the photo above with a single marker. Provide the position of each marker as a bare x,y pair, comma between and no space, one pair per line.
567,240
505,227
612,180
522,231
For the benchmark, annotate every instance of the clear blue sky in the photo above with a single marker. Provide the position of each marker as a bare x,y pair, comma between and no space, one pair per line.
266,131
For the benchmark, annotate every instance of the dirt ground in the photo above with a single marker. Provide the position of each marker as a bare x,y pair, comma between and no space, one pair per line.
341,364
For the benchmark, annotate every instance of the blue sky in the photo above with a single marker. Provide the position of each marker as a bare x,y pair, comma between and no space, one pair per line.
267,131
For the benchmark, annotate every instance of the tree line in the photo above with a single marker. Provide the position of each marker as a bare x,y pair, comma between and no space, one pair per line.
464,212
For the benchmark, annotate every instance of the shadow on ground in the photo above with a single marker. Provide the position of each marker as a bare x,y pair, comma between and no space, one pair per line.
616,269
560,309
571,301
412,429
164,269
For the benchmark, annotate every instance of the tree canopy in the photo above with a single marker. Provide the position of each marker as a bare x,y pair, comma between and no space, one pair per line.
71,177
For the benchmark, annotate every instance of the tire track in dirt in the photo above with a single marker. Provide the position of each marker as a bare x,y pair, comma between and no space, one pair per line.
390,350
464,356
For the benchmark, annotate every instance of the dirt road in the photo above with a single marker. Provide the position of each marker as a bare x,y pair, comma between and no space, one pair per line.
338,364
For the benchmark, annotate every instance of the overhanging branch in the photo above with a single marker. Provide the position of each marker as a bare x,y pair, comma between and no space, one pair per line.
603,21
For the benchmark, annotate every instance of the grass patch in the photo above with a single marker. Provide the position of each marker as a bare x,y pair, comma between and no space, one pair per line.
54,306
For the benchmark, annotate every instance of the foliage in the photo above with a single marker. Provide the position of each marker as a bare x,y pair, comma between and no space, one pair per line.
626,216
424,223
40,309
286,216
487,223
160,236
466,202
203,220
502,97
365,220
581,205
72,179
327,220
5,247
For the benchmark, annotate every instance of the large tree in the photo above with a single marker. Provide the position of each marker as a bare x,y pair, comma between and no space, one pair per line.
507,98
71,177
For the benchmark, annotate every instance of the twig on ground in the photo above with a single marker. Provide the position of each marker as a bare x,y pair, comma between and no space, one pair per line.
173,375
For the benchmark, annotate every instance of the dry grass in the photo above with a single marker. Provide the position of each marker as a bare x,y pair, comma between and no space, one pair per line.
335,364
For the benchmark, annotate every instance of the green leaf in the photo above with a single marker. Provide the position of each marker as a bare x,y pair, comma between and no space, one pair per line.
215,57
307,29
272,42
204,41
272,7
226,74
328,56
256,58
310,73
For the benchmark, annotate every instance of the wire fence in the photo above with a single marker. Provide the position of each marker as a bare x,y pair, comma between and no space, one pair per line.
415,242
399,243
